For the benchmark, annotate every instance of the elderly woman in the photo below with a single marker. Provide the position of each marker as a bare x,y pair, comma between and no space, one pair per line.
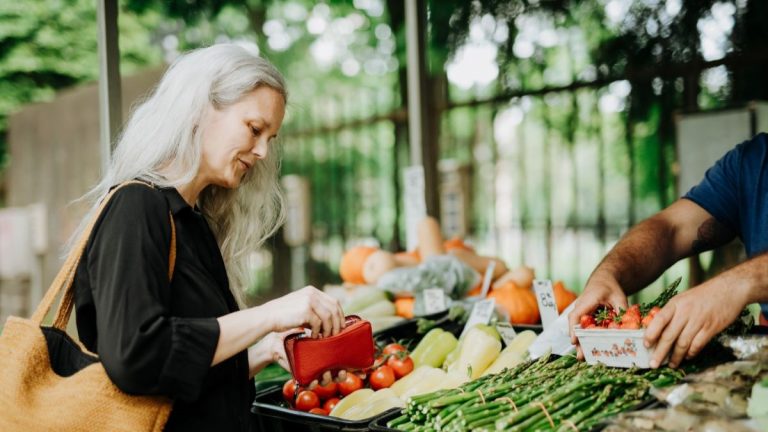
204,142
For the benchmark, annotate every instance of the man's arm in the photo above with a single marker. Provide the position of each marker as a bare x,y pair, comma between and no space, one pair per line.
685,325
646,251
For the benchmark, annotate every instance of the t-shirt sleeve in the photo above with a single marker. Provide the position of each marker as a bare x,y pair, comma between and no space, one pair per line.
718,192
144,349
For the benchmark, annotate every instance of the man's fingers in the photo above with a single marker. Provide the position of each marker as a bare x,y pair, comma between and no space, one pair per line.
658,324
682,345
698,343
666,341
619,302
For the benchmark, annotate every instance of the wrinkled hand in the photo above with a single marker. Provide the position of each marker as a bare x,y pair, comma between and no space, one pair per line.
307,307
685,325
599,291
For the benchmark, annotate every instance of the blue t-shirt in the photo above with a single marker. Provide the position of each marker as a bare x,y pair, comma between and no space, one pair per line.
735,192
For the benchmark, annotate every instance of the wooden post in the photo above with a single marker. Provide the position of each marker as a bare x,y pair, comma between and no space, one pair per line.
422,132
110,109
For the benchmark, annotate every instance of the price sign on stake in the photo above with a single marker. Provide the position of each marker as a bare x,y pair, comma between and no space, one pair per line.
434,300
415,204
545,296
487,279
507,332
481,314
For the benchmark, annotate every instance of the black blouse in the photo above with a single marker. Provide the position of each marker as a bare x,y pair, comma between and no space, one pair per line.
156,337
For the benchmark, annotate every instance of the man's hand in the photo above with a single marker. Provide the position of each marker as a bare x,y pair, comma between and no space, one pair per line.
600,290
685,325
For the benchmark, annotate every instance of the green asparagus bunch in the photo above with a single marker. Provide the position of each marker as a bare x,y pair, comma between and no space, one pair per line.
542,395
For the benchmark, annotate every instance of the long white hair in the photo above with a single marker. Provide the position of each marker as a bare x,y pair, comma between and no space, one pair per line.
161,144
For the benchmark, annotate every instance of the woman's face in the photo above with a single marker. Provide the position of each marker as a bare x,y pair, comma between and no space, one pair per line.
237,136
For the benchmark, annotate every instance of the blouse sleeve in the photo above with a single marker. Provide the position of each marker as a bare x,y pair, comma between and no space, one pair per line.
143,348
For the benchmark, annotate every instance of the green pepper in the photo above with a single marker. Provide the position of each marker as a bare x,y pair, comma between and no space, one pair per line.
417,355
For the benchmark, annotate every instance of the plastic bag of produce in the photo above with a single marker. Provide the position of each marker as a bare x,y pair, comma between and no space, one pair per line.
443,271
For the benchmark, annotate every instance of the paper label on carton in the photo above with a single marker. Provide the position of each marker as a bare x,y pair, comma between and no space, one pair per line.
545,296
481,314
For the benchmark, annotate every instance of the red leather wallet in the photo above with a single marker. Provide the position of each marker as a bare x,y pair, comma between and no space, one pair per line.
352,348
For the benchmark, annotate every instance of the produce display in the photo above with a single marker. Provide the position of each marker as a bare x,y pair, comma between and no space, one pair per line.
450,265
547,394
439,361
433,379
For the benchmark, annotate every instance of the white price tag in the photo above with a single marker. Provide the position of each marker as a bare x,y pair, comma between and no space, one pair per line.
545,296
481,314
434,300
415,203
507,332
487,279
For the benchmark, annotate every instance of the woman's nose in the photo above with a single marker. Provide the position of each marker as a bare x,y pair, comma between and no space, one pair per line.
260,149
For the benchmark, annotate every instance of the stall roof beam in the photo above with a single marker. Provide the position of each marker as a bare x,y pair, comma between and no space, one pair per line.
110,104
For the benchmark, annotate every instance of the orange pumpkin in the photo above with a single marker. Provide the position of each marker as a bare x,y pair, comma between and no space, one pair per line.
563,297
520,303
351,268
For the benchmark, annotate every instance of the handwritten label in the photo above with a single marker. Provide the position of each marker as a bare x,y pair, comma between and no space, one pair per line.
545,296
434,300
481,314
487,279
507,332
415,203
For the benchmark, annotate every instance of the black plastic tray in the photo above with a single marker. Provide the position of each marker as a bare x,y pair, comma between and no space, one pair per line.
270,414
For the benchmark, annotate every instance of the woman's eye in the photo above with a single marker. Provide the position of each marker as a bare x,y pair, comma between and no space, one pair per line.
255,131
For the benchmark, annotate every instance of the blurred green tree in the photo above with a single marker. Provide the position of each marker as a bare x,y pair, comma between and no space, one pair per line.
47,45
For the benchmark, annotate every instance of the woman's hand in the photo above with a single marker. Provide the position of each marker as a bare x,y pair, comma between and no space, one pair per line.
269,349
600,290
307,307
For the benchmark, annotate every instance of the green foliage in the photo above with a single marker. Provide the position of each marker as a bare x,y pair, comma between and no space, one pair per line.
46,45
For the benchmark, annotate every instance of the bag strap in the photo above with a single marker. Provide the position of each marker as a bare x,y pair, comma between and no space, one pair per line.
65,278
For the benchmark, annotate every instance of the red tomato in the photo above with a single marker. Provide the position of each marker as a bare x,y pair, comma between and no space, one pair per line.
382,377
307,400
351,383
320,411
289,390
401,366
330,404
393,348
326,391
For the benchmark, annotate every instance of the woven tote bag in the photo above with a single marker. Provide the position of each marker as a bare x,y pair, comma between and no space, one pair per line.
50,382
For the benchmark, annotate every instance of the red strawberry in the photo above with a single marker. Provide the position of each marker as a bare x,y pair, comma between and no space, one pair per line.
587,321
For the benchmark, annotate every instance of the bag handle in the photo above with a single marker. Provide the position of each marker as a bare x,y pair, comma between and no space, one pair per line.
65,278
